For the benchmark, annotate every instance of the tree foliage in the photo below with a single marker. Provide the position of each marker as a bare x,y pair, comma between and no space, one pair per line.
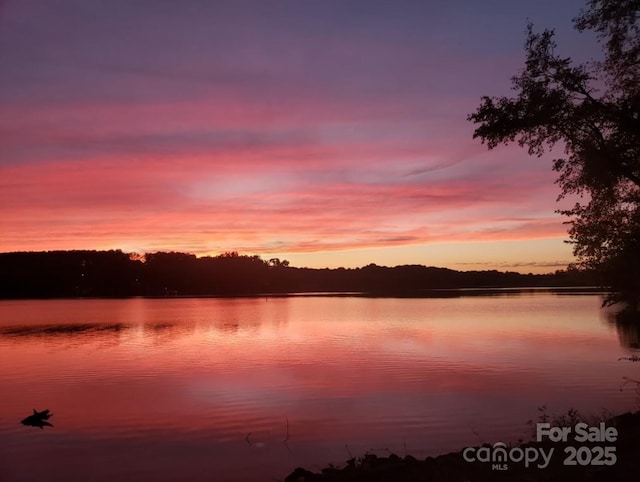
63,274
592,109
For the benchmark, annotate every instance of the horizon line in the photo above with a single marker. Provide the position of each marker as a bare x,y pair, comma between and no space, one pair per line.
136,256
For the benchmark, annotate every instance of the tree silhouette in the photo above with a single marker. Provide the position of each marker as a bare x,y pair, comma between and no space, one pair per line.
70,274
593,110
277,262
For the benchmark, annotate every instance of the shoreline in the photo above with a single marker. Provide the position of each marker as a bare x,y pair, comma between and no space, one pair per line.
623,463
423,293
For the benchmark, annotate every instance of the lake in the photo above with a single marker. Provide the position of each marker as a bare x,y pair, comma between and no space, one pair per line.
250,388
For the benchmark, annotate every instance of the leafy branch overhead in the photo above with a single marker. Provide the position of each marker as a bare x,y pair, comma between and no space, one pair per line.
591,109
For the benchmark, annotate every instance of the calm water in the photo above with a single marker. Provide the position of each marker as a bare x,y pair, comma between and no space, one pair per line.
248,389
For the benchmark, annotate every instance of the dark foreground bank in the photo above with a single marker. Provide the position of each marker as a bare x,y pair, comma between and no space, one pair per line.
589,462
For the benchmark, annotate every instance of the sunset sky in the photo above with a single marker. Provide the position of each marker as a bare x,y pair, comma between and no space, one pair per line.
329,133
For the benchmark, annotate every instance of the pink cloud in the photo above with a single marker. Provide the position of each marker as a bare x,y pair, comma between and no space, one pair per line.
347,141
250,204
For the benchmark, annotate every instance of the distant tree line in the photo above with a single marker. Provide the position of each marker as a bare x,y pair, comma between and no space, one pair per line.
61,274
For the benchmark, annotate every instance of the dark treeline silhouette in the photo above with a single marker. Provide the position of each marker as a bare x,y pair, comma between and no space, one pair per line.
59,274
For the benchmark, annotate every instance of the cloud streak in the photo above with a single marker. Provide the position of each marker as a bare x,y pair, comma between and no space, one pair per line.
290,129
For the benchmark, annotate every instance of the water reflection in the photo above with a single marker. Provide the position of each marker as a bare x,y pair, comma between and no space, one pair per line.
179,383
159,332
159,327
70,330
503,292
627,325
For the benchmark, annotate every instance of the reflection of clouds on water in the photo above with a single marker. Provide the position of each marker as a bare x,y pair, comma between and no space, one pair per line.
235,326
174,380
159,327
110,322
158,333
227,326
164,332
61,330
66,335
